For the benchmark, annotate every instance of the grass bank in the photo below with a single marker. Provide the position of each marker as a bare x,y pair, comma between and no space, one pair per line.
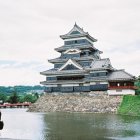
130,105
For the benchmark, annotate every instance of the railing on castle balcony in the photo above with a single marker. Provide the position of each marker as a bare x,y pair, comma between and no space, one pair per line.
122,87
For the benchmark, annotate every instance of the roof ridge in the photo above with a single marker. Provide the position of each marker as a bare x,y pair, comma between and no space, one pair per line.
128,73
79,29
124,72
75,25
80,34
106,60
69,61
76,62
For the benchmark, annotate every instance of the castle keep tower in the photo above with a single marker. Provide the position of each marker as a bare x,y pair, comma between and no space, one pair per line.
81,69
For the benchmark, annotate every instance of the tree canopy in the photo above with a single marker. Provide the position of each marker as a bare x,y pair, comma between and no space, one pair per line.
18,98
137,84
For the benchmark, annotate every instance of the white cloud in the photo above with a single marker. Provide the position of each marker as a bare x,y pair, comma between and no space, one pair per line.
30,29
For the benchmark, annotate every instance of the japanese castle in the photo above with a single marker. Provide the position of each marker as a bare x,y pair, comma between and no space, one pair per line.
81,69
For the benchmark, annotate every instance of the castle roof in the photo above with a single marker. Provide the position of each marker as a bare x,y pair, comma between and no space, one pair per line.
63,72
59,59
98,64
71,62
79,46
76,32
120,75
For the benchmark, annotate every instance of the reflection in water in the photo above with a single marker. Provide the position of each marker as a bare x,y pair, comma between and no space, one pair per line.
20,124
69,126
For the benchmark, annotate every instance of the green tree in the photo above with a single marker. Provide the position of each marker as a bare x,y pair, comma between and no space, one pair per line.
21,99
30,98
137,84
14,98
3,97
138,78
36,95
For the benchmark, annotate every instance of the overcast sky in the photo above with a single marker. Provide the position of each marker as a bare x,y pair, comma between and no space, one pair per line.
30,29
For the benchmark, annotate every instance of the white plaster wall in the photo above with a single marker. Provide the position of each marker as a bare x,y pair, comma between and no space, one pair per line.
123,92
51,86
86,84
69,85
94,83
103,82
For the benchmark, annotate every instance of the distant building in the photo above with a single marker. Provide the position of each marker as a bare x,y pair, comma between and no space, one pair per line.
81,69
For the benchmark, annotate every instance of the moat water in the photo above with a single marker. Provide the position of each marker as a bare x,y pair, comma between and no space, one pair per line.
22,125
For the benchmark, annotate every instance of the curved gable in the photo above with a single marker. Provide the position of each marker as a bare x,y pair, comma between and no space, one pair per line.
71,65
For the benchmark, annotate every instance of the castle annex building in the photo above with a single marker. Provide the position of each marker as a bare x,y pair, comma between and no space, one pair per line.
81,69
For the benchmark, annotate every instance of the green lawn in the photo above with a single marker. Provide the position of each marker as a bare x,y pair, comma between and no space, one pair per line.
130,105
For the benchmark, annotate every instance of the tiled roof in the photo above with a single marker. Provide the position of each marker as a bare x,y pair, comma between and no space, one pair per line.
80,34
53,69
120,75
64,72
50,70
59,59
101,64
78,46
71,62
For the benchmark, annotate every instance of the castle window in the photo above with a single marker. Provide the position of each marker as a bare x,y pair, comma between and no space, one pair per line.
81,84
97,83
118,84
81,41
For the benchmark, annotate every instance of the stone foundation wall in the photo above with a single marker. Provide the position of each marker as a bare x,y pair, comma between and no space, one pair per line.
96,102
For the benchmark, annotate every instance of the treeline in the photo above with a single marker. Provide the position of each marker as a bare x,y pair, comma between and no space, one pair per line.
18,98
20,89
137,84
20,94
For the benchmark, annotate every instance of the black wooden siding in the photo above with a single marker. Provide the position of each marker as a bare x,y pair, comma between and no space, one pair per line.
100,87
